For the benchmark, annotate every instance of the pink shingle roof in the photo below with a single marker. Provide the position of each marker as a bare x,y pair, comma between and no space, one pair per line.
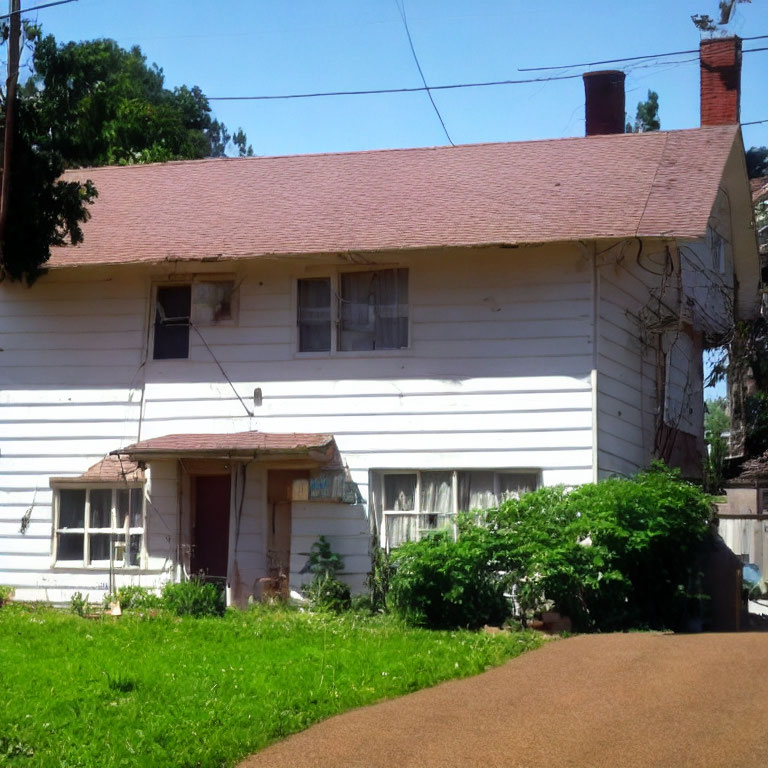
111,470
229,445
653,184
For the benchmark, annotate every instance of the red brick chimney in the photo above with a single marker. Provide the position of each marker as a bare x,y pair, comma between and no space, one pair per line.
604,94
720,63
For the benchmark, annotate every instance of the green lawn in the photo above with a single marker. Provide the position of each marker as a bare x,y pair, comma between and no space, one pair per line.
166,692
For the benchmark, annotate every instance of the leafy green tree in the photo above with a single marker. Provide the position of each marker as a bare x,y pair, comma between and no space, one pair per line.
105,105
87,104
716,423
757,162
647,115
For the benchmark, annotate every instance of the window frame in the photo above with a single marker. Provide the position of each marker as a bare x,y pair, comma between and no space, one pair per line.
87,530
334,274
380,475
194,312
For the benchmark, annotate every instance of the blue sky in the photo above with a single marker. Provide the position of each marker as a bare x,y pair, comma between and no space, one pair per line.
256,47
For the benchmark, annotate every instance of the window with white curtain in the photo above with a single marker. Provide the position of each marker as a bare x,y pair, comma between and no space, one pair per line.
370,311
413,503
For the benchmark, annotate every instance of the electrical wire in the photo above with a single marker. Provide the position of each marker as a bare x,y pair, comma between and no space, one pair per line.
401,8
221,368
375,91
633,58
454,86
35,8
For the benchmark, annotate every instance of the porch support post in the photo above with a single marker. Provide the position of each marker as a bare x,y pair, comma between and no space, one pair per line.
234,471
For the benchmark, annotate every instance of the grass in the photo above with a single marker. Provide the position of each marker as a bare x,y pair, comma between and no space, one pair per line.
173,692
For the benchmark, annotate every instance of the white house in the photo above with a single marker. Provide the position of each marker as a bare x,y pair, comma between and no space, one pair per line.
245,354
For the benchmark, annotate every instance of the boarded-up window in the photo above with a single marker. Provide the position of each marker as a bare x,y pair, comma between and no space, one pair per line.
172,313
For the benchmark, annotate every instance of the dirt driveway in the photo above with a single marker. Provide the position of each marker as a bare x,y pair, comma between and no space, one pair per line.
589,701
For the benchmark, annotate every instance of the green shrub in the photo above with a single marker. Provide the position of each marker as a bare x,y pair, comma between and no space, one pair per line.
442,583
622,553
327,593
323,561
380,576
133,598
194,598
79,604
6,594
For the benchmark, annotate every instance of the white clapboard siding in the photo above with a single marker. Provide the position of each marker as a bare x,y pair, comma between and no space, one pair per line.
496,375
347,530
626,371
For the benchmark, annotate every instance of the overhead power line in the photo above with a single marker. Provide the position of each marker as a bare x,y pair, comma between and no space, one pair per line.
454,86
374,91
633,58
606,61
35,8
401,8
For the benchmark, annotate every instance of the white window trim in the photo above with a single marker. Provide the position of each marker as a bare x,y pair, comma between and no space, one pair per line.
191,281
334,274
87,531
382,473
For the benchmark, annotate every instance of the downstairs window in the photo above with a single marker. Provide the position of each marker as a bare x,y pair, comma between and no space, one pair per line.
99,527
416,502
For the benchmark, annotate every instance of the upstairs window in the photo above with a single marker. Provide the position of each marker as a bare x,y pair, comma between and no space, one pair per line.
314,301
373,310
200,303
99,527
370,311
173,306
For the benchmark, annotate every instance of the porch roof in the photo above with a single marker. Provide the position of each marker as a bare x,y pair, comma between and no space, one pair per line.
111,470
318,448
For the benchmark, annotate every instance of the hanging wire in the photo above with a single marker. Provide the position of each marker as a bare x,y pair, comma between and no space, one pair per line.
401,8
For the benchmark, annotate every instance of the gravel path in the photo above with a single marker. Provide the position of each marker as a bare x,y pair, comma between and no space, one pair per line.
601,700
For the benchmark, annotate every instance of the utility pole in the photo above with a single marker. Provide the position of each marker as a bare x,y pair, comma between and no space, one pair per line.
10,116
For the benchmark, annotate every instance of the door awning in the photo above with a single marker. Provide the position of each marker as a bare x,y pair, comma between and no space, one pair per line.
309,448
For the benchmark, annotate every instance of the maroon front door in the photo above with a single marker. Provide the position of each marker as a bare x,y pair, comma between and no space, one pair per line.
210,536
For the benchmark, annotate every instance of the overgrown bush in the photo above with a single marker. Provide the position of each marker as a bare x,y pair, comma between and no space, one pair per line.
329,594
6,594
133,598
621,553
442,583
194,598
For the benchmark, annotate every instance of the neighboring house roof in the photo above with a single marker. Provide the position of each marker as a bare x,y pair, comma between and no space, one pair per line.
624,185
111,470
755,469
236,445
759,188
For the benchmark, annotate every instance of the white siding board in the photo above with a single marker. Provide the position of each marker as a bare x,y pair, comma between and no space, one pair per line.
497,376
